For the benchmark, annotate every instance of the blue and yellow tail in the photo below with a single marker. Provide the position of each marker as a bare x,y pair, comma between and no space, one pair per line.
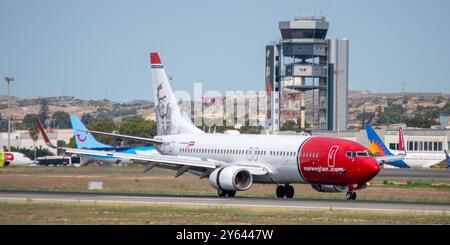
83,138
376,145
378,148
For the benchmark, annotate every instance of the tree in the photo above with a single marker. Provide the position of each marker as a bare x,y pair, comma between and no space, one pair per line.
3,123
105,126
71,143
40,152
29,120
289,125
34,134
44,110
420,121
138,127
61,119
86,118
393,113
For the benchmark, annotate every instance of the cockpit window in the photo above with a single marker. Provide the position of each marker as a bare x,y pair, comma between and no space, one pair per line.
352,154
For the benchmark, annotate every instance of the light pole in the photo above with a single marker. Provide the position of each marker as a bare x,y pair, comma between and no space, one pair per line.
9,79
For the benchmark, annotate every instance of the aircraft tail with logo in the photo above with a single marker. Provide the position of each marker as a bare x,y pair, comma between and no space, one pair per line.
168,117
83,138
401,140
447,157
378,148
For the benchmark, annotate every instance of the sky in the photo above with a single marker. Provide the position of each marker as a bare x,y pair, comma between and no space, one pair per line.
100,49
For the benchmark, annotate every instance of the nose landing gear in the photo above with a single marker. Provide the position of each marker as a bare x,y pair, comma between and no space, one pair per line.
351,195
285,191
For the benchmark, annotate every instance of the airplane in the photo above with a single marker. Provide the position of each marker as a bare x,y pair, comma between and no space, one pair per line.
234,162
14,159
411,160
85,140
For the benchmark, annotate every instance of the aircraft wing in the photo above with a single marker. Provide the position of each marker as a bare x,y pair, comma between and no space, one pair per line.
142,139
181,164
391,158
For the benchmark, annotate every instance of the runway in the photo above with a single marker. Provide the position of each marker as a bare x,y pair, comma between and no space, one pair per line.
212,201
408,173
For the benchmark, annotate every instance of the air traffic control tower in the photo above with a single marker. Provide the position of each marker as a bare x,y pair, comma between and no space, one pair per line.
313,68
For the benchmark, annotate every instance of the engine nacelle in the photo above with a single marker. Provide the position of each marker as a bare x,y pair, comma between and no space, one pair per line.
232,178
338,188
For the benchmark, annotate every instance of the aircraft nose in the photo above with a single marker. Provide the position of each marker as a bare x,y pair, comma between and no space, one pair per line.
371,169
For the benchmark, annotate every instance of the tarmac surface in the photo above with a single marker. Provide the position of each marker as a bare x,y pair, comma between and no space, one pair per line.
213,201
385,173
408,173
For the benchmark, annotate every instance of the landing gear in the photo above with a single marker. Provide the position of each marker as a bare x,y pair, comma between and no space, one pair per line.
290,191
231,193
223,193
285,191
351,195
281,191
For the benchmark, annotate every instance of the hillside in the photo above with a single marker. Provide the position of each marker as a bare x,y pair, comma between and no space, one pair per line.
390,107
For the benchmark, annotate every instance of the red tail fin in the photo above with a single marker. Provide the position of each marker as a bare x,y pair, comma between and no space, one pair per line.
401,143
154,58
44,134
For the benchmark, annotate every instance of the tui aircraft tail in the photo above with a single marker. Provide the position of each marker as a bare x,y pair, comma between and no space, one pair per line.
168,117
83,138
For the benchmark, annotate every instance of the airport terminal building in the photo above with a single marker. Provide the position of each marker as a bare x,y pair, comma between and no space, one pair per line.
22,139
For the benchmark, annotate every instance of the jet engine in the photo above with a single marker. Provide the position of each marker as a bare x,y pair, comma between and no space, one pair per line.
337,188
231,178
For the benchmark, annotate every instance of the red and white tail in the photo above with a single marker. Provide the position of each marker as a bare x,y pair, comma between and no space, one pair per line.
44,134
168,117
401,142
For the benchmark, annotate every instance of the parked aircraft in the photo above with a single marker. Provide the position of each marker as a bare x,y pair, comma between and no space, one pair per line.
411,160
85,140
14,159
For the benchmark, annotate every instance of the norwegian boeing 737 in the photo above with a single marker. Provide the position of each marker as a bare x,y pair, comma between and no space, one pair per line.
234,162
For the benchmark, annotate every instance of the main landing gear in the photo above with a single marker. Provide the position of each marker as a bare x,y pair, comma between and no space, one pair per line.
285,191
223,193
351,195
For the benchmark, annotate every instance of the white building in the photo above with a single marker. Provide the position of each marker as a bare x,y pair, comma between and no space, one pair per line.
22,139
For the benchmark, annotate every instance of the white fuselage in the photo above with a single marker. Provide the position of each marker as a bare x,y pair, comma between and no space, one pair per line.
277,153
422,159
20,159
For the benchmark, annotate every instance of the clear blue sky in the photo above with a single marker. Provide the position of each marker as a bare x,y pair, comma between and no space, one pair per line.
92,49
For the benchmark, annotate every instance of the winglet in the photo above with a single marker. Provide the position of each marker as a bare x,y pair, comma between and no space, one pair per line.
44,134
154,58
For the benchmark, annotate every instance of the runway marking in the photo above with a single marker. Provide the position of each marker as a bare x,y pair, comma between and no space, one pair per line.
75,200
